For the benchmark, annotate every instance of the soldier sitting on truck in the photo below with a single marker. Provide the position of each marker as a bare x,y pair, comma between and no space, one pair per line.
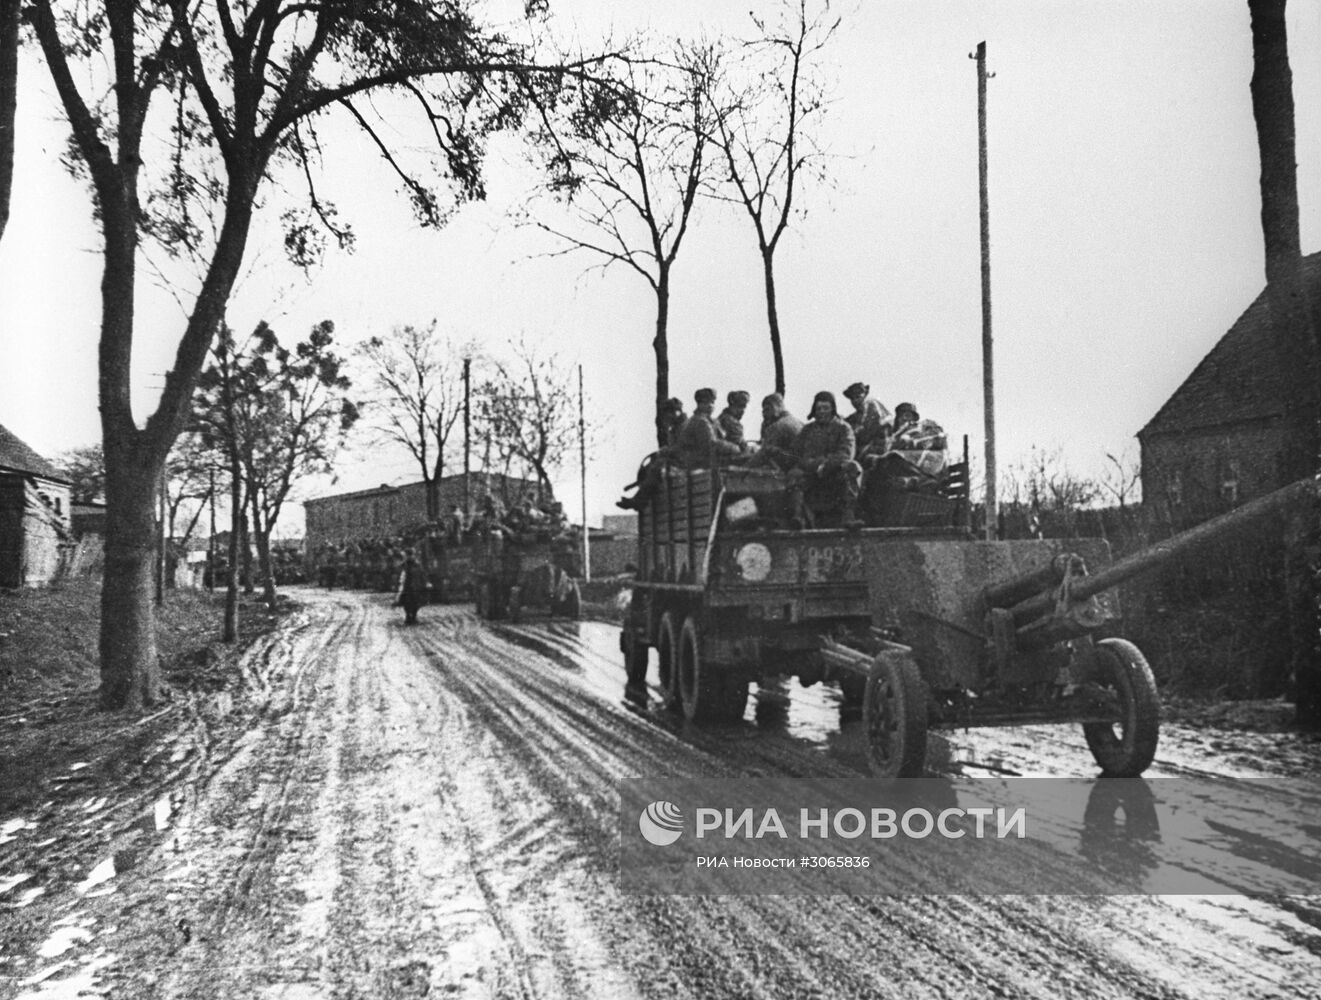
917,454
730,420
779,431
870,420
701,441
913,463
824,471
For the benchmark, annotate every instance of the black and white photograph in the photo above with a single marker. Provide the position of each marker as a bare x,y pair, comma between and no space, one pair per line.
556,499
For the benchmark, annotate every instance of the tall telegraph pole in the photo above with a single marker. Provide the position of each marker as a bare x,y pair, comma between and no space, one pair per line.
988,365
467,437
582,453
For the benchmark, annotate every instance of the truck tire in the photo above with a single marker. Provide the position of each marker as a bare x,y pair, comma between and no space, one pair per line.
1127,748
667,659
706,693
894,713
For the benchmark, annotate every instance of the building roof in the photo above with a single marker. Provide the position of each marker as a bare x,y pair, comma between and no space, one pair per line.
1239,380
16,456
445,486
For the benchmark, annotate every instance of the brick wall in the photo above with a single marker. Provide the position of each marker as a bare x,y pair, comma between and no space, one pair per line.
390,510
1195,474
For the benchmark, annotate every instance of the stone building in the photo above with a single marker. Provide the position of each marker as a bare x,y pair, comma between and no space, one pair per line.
385,511
1219,439
36,537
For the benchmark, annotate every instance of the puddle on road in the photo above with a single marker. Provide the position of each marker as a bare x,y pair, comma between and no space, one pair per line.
62,939
812,717
8,882
11,828
83,983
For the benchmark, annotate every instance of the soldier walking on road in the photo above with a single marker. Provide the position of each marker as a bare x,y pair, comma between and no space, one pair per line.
412,588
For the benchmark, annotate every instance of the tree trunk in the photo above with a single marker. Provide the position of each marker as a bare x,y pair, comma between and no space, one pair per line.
130,667
231,629
261,532
1293,339
661,345
9,19
773,316
245,552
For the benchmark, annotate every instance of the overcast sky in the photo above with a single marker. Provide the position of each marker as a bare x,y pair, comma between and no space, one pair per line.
1124,224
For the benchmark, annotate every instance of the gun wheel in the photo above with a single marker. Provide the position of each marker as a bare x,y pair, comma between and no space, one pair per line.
894,712
1126,748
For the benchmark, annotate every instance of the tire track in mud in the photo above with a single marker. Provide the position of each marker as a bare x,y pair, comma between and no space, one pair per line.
1015,946
433,812
211,917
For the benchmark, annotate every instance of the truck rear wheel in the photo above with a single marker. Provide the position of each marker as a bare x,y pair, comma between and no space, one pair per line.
894,715
1127,748
667,659
707,695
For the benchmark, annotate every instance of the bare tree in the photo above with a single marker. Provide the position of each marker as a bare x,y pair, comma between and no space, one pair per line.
767,107
529,407
178,113
418,378
629,159
1293,334
1121,479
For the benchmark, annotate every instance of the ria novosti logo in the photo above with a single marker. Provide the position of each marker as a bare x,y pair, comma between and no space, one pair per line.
661,823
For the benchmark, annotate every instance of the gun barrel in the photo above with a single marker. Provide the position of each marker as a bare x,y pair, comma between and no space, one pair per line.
1162,552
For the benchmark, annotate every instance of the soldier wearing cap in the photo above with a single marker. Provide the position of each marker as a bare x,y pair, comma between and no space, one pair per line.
701,441
671,420
731,417
870,420
823,460
919,445
779,431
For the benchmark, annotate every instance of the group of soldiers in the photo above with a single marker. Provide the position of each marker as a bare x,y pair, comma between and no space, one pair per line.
376,563
833,458
528,520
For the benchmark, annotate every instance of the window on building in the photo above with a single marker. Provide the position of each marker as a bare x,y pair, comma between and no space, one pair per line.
1229,481
1174,487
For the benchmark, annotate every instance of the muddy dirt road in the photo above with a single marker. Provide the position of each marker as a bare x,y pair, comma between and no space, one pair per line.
433,812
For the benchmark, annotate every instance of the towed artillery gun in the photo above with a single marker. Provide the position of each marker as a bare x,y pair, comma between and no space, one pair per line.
922,623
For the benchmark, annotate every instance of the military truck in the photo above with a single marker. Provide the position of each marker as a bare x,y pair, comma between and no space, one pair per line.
513,574
923,623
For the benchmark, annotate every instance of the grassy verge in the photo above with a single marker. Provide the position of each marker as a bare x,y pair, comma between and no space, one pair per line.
48,639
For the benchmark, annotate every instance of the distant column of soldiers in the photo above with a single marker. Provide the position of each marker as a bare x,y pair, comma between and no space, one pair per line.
829,461
375,563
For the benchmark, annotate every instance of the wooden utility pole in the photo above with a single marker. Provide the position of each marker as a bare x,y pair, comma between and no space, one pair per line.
467,438
211,542
582,453
988,364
